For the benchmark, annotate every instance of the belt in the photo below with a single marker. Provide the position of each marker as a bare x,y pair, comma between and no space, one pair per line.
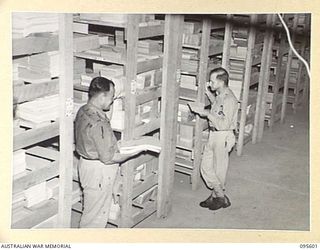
213,129
88,159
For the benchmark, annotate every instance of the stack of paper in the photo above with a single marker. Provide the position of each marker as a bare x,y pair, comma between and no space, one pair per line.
190,54
145,143
35,194
191,39
120,38
109,71
83,42
40,110
26,23
87,78
105,39
191,27
79,68
146,79
48,62
190,66
149,46
82,28
117,120
90,16
113,53
19,161
33,76
188,82
52,188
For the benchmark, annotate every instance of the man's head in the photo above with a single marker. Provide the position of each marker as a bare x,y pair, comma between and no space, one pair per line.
218,79
101,92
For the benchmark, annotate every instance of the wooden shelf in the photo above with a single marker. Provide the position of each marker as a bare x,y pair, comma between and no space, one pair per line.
145,29
36,43
188,94
35,135
30,217
45,163
86,55
32,91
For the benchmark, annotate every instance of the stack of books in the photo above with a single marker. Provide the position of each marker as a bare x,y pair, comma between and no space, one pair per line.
119,34
26,23
48,62
40,110
87,78
149,46
189,82
82,42
35,194
79,68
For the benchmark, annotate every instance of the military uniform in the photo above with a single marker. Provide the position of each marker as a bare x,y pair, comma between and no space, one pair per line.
222,123
96,145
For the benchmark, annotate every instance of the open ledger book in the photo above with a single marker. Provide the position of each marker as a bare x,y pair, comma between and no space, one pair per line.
145,143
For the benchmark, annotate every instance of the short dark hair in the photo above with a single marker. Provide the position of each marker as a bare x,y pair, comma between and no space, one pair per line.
98,85
222,74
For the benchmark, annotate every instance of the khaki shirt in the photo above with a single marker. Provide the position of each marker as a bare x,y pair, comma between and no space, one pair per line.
224,111
94,136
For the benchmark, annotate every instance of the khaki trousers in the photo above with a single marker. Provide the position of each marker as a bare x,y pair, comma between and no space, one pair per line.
215,160
97,180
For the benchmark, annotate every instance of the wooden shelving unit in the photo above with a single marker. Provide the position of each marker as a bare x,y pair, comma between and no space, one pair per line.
130,190
191,138
45,162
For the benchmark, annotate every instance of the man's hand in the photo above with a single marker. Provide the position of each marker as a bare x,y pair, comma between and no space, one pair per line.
210,95
200,111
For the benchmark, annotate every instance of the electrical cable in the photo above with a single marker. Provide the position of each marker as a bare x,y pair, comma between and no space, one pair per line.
291,45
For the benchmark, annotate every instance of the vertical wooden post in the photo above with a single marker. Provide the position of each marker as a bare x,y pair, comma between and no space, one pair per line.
262,78
300,76
307,80
286,79
246,83
227,43
278,79
169,109
204,52
132,31
266,78
66,119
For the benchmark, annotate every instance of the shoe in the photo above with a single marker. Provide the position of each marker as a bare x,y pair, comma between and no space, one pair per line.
220,202
207,202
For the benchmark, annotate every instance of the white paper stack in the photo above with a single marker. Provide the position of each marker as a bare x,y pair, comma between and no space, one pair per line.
146,79
48,62
52,188
40,110
19,161
191,27
26,23
188,82
83,42
87,78
145,143
35,194
79,68
149,46
33,76
110,71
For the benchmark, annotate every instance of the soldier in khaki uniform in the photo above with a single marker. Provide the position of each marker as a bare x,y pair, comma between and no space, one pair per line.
222,123
99,155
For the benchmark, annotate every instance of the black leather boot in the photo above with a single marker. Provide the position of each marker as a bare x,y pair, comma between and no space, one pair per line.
220,202
207,202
